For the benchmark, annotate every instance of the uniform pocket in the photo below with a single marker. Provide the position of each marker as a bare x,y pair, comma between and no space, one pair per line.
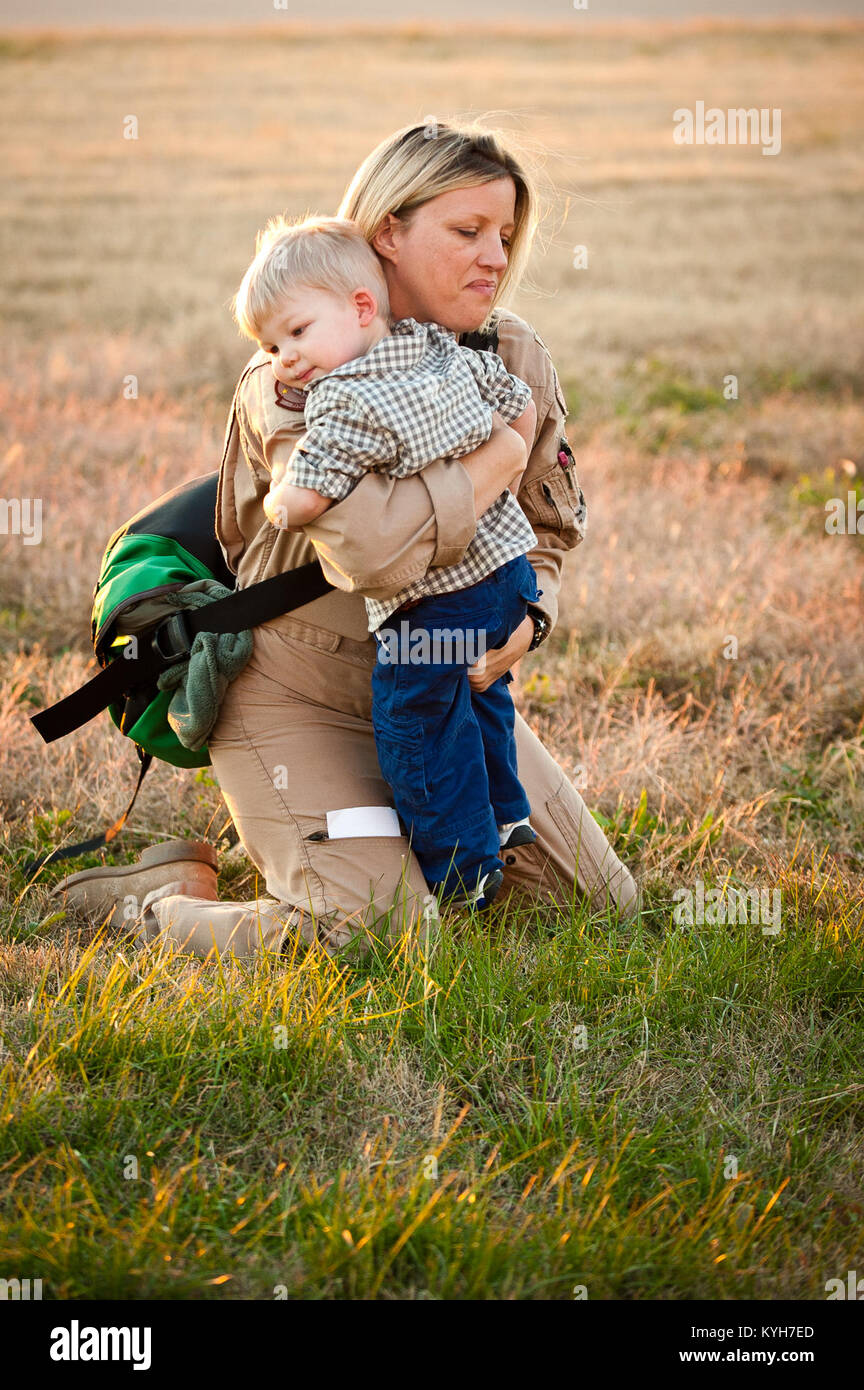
400,744
555,503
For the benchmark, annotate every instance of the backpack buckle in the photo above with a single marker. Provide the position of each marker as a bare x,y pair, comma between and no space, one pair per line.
172,641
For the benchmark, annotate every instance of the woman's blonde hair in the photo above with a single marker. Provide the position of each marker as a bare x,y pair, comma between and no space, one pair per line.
419,162
320,253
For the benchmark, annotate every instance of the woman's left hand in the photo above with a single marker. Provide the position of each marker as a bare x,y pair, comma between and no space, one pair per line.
501,659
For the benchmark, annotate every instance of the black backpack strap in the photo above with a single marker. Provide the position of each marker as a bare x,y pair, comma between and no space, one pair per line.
172,641
32,867
481,341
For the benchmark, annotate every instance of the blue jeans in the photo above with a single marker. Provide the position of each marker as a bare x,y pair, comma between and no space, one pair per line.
448,753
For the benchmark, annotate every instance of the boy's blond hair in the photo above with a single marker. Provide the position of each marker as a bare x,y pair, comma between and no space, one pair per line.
320,253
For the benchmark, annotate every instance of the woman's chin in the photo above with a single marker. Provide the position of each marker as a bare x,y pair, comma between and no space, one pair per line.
469,318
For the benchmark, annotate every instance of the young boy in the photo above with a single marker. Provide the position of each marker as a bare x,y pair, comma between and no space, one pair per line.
395,397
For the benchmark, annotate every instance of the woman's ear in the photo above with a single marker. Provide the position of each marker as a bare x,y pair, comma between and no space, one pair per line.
385,240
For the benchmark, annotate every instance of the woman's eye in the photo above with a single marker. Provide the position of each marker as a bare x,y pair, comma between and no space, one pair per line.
472,232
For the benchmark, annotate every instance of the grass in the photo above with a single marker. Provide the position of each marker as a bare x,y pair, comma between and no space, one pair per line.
440,1127
548,1100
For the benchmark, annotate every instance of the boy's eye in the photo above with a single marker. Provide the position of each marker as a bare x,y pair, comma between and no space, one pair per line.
272,351
295,332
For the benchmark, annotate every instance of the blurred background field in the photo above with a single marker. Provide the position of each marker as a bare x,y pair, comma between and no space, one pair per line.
706,515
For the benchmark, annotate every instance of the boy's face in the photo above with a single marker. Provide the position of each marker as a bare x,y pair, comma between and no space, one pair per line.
312,331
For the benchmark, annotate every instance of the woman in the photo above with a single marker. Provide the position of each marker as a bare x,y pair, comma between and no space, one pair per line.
452,215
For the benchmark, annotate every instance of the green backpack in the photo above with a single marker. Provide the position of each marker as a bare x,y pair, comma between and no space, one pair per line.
159,551
168,544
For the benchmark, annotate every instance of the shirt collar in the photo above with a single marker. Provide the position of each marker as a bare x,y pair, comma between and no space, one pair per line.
406,344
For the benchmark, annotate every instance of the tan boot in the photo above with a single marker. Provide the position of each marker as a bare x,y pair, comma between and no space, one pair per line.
119,890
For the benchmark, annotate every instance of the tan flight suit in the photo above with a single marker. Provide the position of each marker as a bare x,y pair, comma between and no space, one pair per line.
294,739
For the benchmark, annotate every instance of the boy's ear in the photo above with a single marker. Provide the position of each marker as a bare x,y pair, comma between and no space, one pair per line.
366,305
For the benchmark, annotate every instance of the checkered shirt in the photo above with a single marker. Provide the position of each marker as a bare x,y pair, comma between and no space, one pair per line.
415,397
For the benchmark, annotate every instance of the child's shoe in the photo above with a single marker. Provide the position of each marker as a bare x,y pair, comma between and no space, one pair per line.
486,891
516,833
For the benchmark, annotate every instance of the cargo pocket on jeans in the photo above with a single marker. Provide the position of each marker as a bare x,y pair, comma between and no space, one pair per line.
400,745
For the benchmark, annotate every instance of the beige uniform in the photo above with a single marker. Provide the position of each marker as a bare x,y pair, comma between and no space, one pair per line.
294,751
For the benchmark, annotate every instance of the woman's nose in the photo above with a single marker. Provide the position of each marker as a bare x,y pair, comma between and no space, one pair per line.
493,254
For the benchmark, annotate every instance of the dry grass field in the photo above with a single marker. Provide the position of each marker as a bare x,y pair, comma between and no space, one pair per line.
706,523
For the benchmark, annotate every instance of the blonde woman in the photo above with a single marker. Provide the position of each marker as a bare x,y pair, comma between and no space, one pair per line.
451,214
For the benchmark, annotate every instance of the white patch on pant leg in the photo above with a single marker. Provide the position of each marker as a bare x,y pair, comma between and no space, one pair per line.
362,822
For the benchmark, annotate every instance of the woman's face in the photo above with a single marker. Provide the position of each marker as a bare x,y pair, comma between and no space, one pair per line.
445,263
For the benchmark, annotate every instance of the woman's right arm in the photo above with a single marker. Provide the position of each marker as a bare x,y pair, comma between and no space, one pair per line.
389,531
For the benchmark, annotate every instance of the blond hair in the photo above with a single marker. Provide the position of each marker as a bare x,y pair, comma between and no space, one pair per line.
319,253
419,162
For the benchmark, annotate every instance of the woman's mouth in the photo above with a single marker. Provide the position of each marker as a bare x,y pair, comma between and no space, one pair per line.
486,287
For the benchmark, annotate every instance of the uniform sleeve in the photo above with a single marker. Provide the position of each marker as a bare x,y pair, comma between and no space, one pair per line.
270,431
549,492
343,441
505,393
389,531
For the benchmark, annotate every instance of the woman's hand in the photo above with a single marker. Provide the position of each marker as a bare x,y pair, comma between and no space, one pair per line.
500,659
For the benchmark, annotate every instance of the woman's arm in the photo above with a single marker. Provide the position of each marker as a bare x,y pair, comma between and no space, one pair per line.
389,531
549,492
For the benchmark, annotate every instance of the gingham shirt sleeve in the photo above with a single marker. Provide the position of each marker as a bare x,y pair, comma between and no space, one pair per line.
507,394
343,442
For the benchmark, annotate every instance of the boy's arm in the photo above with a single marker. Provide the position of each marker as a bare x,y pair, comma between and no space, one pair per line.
506,393
291,508
342,442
